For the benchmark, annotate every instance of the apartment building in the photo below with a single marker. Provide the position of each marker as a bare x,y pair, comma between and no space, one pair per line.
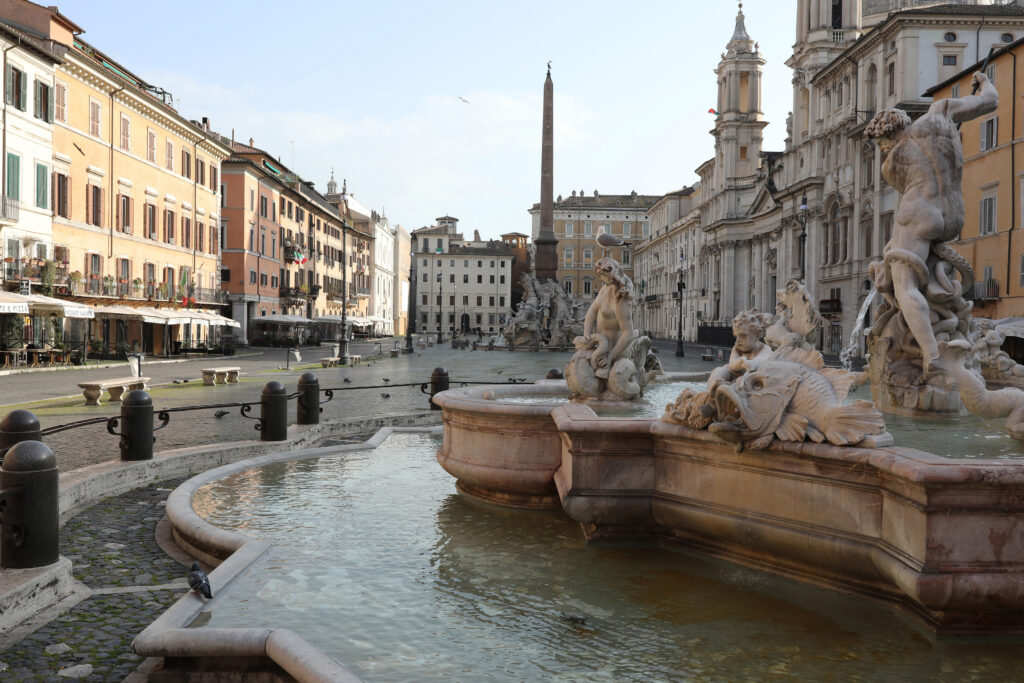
461,285
578,220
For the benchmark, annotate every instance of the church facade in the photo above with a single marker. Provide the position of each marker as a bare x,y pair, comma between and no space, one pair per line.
819,209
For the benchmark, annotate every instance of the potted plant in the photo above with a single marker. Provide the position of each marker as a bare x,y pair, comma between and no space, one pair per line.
136,285
74,280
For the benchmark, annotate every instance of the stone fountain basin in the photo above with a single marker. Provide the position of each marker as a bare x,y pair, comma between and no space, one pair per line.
938,536
507,453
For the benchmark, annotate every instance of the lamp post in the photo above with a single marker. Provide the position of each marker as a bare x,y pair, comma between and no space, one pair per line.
343,355
410,317
643,306
802,217
680,286
440,307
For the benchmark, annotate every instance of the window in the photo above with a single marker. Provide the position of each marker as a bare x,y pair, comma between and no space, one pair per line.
465,278
492,279
1006,37
954,91
948,60
989,133
991,73
890,71
588,256
501,279
479,279
646,230
743,153
186,164
950,37
586,285
252,276
42,186
95,118
200,237
61,196
588,228
124,276
150,145
987,220
149,278
567,283
93,273
200,171
479,301
44,102
501,302
16,90
94,205
168,226
625,257
627,229
126,133
149,221
213,239
169,160
60,102
568,229
186,232
124,213
213,178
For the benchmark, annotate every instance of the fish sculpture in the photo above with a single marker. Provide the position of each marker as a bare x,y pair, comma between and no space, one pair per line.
790,395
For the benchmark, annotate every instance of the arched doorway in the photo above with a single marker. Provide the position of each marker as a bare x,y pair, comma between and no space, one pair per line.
464,323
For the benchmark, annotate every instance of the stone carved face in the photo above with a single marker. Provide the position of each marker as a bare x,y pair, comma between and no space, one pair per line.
748,328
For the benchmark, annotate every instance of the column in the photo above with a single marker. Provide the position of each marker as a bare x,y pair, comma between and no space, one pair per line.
239,312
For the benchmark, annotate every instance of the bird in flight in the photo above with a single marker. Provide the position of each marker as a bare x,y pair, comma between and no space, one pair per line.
464,99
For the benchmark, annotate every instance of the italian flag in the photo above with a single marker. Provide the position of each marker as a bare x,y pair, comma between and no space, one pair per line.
712,111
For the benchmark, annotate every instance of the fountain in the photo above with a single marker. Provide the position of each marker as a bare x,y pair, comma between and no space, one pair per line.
772,466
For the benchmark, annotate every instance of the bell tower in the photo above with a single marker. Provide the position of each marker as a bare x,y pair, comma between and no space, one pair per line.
740,120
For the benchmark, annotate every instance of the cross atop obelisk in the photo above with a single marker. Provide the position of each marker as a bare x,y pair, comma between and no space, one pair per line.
546,264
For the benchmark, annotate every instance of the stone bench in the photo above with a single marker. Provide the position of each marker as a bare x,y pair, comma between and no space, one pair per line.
222,375
354,359
707,355
394,353
116,387
330,362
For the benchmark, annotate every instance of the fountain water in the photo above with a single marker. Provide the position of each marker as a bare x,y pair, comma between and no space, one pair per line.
846,355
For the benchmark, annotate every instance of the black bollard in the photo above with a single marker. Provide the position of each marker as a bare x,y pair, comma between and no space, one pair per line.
29,508
18,426
438,383
274,412
136,426
554,373
307,412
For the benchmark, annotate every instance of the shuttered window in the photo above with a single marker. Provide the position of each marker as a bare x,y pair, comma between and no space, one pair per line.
16,88
42,186
150,145
126,133
169,161
95,116
13,176
60,102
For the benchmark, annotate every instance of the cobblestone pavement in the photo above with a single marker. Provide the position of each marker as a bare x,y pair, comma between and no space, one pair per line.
113,551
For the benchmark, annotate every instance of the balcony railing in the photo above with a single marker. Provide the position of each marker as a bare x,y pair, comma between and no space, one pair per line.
985,290
830,306
652,297
209,295
10,209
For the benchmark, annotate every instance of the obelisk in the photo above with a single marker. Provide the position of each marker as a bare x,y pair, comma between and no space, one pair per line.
547,244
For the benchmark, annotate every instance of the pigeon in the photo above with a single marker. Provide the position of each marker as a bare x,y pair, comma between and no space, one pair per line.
199,581
220,413
386,379
499,371
179,381
385,395
347,381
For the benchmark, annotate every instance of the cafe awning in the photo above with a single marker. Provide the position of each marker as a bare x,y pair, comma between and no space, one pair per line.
13,303
281,319
47,305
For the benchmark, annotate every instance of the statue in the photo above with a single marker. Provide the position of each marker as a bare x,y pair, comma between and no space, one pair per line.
923,303
924,163
748,328
789,395
796,320
545,317
996,365
612,362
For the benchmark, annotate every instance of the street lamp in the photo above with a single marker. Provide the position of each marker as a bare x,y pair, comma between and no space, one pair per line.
680,286
440,307
343,355
410,319
802,217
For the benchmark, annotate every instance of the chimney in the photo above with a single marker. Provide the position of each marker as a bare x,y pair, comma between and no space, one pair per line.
206,123
476,235
251,142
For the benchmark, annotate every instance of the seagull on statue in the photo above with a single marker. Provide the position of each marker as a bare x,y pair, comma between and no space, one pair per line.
199,581
606,239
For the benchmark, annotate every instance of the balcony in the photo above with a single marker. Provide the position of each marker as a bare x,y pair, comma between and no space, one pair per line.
10,210
209,295
650,298
985,290
826,306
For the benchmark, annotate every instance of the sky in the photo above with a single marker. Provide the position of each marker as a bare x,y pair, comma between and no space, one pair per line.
374,91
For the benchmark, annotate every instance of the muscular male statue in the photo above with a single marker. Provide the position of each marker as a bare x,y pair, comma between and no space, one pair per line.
923,161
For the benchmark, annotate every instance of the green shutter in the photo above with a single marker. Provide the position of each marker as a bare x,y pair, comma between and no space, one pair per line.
23,87
9,85
49,104
13,176
42,173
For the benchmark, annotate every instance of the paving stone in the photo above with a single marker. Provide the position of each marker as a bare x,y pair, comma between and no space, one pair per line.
77,671
58,649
